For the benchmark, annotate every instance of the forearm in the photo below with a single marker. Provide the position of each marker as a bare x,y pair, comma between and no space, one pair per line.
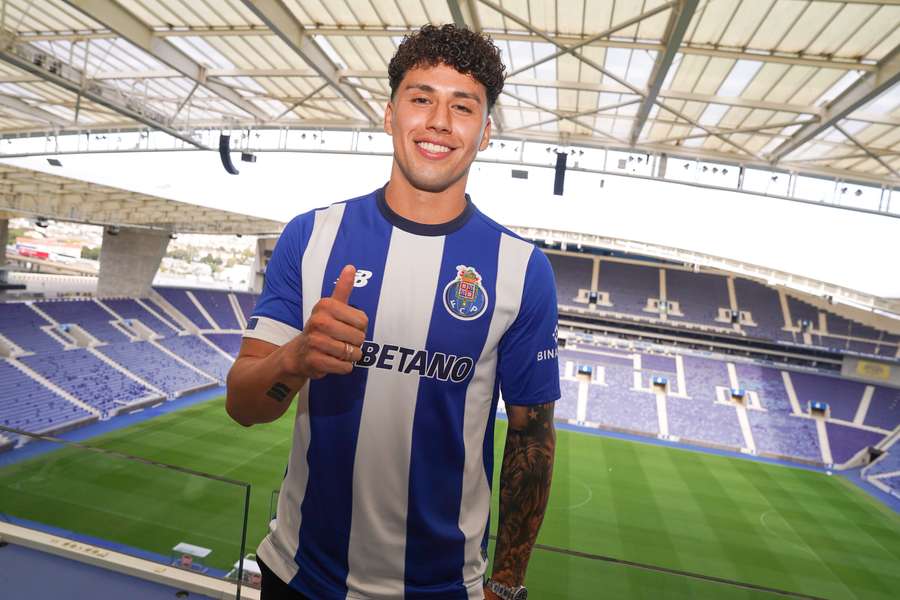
524,490
259,389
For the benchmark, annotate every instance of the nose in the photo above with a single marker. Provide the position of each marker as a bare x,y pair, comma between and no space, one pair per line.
439,117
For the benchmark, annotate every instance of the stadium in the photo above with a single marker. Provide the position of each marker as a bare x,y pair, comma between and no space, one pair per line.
716,186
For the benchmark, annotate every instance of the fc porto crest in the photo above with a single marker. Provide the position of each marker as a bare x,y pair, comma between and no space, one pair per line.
464,297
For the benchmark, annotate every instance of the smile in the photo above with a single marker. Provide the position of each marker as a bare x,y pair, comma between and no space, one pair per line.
433,150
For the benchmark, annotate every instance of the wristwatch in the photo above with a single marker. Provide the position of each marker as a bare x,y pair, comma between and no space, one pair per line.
506,592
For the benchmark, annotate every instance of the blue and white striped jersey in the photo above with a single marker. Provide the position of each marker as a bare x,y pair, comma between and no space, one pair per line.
387,490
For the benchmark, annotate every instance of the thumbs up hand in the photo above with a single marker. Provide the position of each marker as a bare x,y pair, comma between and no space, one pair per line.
332,336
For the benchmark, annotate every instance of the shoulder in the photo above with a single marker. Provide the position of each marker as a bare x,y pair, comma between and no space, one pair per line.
300,227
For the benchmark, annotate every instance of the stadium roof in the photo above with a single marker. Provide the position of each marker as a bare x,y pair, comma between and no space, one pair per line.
29,192
808,86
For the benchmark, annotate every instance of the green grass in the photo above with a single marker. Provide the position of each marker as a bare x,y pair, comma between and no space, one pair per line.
753,522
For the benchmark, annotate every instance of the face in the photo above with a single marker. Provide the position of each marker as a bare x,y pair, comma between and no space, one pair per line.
439,121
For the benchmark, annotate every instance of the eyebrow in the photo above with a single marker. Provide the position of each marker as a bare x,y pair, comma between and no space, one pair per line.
456,93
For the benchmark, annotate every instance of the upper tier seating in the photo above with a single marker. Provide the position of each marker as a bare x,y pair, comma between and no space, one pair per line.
699,295
155,367
179,299
27,405
218,306
629,286
763,304
198,353
88,378
22,326
128,308
802,311
572,273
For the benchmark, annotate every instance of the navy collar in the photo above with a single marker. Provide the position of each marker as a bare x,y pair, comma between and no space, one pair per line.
417,228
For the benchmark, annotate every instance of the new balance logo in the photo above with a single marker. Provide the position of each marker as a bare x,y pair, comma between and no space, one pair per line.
362,278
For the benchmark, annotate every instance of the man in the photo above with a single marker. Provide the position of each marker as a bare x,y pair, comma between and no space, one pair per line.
399,317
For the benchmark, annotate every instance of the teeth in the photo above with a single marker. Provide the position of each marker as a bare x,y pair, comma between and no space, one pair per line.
433,147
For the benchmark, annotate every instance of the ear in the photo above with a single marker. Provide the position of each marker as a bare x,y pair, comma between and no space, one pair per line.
388,114
486,136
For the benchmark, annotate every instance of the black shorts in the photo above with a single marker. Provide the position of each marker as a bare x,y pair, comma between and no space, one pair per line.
274,588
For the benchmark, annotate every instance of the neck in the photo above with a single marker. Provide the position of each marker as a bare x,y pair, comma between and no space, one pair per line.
428,208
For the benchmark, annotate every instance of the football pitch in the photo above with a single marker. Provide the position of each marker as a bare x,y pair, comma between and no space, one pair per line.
720,517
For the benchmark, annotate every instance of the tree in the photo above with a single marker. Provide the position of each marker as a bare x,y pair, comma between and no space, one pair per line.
90,253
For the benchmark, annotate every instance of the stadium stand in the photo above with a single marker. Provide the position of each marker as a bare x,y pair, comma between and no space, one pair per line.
229,342
842,395
218,306
573,273
888,463
699,414
567,406
246,301
802,311
783,435
847,441
22,326
129,308
618,406
767,383
89,379
699,295
884,410
89,315
698,418
179,299
629,286
27,405
156,367
200,354
763,305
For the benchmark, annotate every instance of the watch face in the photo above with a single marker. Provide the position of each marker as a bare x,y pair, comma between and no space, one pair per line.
522,594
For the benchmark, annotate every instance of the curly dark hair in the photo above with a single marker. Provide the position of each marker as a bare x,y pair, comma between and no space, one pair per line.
468,52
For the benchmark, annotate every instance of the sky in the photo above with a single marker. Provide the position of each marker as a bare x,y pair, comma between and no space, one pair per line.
853,249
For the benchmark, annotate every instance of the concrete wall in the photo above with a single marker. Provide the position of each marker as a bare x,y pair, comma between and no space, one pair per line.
872,371
4,238
264,248
129,261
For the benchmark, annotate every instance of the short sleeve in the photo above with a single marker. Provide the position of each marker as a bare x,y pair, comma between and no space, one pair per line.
277,317
528,367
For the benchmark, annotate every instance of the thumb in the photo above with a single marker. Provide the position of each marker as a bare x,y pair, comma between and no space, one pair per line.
344,284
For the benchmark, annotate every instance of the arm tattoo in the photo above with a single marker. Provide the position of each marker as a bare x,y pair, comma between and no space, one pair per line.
279,392
524,489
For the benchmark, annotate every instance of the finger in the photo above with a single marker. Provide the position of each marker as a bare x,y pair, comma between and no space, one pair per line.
337,349
339,331
326,364
344,284
351,316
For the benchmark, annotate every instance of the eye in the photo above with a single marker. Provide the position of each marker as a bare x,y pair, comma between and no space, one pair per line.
420,100
464,108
